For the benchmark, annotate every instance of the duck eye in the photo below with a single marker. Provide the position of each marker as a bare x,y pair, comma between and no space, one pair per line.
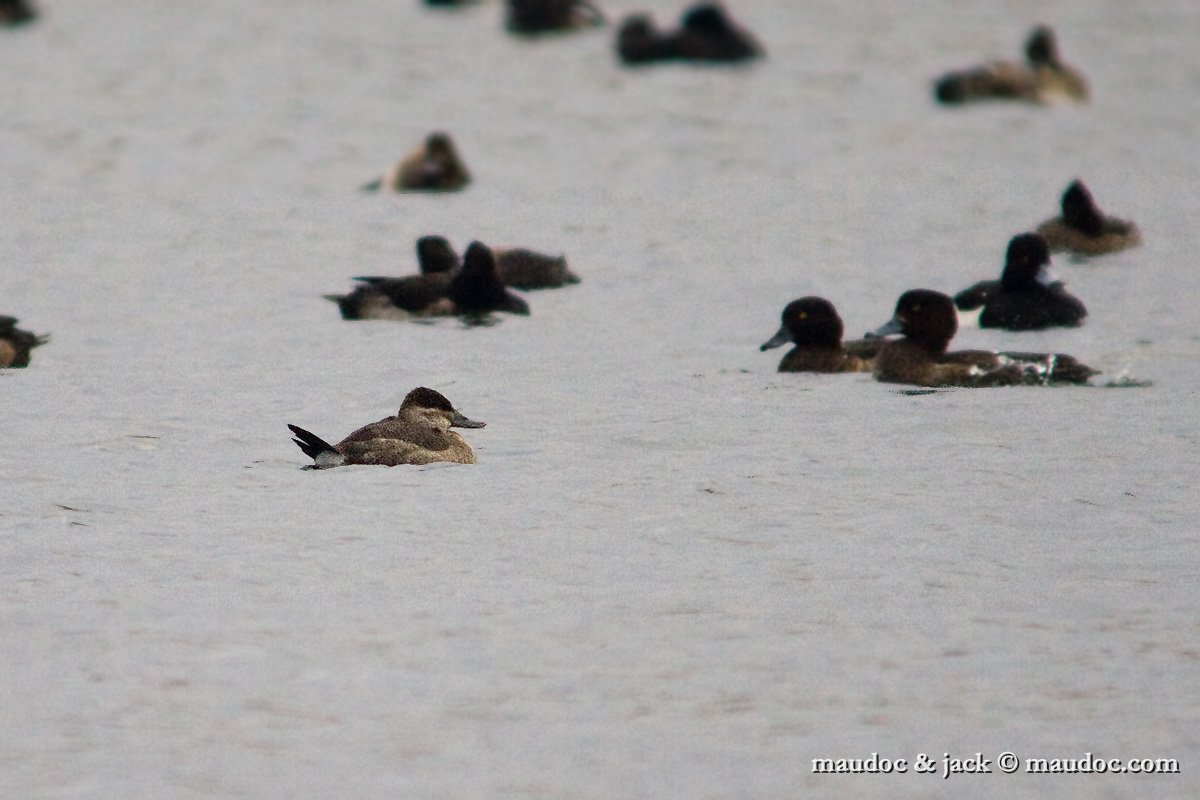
802,315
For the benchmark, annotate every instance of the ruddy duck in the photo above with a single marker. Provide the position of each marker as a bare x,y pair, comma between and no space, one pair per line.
1083,229
1043,78
419,433
433,167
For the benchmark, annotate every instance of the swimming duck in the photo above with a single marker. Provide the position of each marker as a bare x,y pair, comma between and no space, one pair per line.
928,322
442,289
15,343
412,296
1026,297
543,16
813,325
706,34
517,267
1083,229
16,12
432,167
1044,77
419,433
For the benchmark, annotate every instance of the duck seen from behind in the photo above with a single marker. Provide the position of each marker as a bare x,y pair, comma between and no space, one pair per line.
927,321
433,167
419,433
1043,78
1027,297
812,324
1083,229
706,33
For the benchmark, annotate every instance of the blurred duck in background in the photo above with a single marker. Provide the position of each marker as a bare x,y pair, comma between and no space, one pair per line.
1084,230
530,17
517,267
16,12
1042,79
705,34
442,289
432,167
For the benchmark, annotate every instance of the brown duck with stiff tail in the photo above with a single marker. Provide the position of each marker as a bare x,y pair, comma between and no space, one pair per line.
419,433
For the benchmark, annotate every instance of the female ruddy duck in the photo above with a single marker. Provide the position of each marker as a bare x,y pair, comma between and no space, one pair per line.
418,434
432,167
928,322
1083,229
1043,78
813,325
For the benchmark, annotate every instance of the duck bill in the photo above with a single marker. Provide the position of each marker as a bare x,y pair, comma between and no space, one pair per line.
778,340
889,328
459,421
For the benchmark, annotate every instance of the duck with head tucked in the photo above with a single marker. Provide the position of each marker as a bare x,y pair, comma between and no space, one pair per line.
1084,230
813,325
927,322
1027,297
419,433
422,295
1043,78
530,17
442,289
521,268
15,343
706,33
433,167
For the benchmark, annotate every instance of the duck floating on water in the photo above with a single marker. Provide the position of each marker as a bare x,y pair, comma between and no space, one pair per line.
927,321
813,325
1083,229
1043,77
419,433
1027,297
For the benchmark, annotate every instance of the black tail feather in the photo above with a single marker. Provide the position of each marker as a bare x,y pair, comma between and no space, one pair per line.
310,443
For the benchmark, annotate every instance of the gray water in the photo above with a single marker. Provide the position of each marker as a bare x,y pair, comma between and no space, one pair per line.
673,572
